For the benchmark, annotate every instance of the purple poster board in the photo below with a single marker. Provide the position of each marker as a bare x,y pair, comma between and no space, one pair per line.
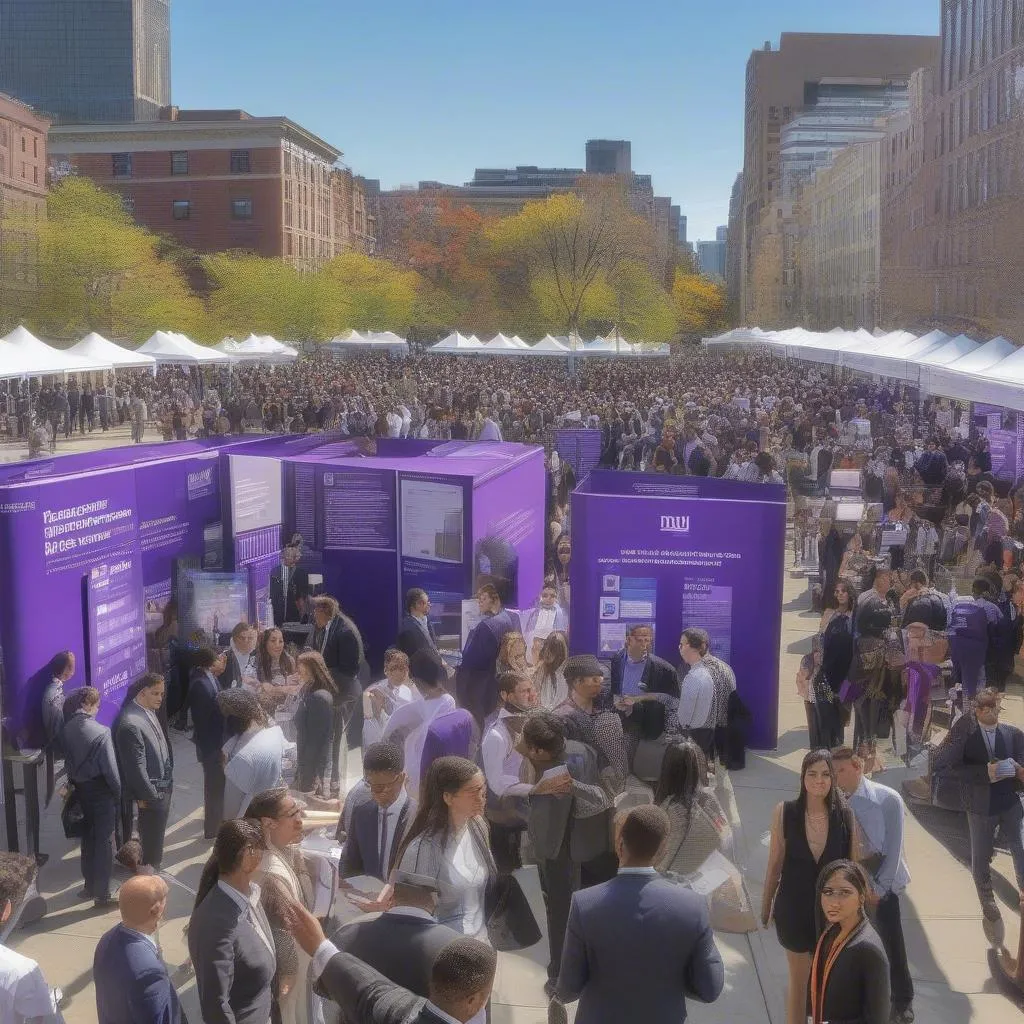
581,449
359,509
1003,449
116,624
680,553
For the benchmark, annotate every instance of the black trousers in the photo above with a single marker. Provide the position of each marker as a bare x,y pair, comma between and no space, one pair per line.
99,808
152,826
705,739
889,925
213,795
559,879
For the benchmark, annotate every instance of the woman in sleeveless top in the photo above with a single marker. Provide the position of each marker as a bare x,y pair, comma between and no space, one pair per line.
807,833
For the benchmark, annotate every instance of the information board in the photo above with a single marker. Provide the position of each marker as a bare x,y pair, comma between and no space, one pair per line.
116,623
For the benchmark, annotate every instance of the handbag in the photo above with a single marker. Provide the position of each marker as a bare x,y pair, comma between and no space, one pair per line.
511,925
72,816
850,692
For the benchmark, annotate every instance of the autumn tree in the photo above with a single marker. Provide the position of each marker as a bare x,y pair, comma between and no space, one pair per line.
97,270
700,304
572,245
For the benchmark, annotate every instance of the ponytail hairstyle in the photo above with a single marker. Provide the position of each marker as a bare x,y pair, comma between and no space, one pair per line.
234,839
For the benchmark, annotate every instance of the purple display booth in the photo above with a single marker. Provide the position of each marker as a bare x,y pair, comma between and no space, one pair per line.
439,516
679,552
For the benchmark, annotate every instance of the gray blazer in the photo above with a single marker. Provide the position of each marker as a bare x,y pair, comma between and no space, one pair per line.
635,947
89,752
425,855
586,812
145,772
234,966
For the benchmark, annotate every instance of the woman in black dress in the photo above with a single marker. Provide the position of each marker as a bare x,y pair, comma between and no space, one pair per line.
850,972
314,723
813,830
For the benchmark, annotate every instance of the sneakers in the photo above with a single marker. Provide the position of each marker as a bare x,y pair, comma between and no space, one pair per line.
905,1016
992,923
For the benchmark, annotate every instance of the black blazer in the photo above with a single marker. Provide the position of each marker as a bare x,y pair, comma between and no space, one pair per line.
232,674
858,986
360,853
659,676
285,606
342,656
411,637
365,995
402,947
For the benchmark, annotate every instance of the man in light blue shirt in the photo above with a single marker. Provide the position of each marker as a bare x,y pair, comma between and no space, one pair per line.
880,815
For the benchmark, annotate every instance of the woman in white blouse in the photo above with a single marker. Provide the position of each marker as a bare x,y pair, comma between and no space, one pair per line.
548,677
253,759
381,700
448,841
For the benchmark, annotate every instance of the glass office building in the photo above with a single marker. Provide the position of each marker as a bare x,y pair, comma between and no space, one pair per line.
87,61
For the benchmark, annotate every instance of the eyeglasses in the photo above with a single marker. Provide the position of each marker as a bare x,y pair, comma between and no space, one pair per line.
385,787
838,894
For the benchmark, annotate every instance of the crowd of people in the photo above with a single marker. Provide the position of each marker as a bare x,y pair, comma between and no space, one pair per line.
514,753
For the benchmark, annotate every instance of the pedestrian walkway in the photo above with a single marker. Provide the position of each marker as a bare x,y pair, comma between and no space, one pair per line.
946,946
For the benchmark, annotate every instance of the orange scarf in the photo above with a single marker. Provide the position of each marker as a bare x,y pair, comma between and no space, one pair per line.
818,989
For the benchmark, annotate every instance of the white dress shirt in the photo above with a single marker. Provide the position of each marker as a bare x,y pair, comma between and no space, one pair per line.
395,697
696,698
414,719
502,762
247,905
24,994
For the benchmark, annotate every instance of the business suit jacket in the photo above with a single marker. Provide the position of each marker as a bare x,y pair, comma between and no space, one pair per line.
411,637
973,778
88,746
402,947
206,714
365,995
658,676
476,686
635,947
360,854
234,966
285,605
858,986
145,772
132,984
232,674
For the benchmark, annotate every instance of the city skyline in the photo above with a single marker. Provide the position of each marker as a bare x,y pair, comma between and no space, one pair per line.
440,96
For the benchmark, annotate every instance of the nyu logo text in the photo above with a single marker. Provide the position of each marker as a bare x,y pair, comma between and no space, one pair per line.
675,524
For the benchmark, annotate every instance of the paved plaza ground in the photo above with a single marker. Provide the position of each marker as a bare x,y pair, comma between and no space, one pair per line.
947,950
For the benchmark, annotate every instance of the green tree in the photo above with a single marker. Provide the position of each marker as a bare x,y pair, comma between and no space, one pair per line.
642,309
370,294
97,270
700,304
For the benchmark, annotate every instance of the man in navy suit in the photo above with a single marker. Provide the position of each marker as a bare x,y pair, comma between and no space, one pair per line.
638,945
132,984
379,826
416,631
209,734
636,671
476,681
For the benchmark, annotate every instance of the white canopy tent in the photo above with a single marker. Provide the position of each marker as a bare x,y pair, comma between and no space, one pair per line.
26,355
500,343
95,346
457,343
262,349
550,346
166,347
228,345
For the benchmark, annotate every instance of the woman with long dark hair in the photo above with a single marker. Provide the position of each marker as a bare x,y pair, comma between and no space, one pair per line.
836,639
314,723
274,666
449,841
230,940
814,829
697,824
849,978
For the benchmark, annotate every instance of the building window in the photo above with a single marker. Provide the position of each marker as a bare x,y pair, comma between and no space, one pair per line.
179,161
35,147
241,209
181,209
23,143
240,161
121,165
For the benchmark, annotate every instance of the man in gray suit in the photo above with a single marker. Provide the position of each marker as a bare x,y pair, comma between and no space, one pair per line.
568,824
637,945
146,765
403,942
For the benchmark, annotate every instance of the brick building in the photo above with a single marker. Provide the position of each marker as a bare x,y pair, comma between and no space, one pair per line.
23,163
951,249
220,180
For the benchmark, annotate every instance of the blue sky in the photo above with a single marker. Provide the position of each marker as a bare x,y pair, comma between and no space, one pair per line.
412,90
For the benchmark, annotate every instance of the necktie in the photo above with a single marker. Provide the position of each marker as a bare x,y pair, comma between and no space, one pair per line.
383,843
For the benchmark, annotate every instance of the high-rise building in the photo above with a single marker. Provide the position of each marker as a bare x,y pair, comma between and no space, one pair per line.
682,230
711,258
722,233
221,179
780,83
952,256
734,238
607,156
82,61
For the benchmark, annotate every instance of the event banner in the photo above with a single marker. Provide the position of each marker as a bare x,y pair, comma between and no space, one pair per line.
681,552
116,627
581,449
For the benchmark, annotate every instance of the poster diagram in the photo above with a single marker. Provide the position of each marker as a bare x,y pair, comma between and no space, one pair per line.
625,601
709,607
431,520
